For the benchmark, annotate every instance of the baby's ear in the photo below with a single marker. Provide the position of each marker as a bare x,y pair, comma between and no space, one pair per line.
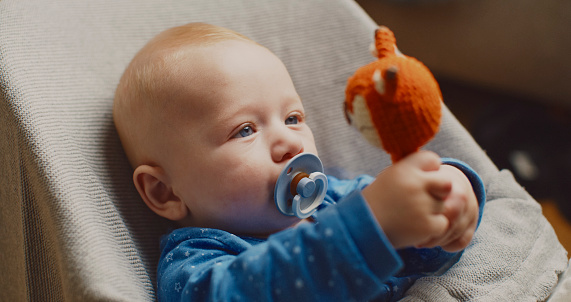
155,190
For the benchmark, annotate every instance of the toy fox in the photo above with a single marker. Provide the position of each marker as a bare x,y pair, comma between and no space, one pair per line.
395,102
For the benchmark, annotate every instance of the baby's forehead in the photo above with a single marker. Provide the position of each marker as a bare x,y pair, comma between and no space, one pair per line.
199,60
194,75
201,68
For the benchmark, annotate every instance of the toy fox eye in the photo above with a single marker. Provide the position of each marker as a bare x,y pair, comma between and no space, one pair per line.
292,120
245,131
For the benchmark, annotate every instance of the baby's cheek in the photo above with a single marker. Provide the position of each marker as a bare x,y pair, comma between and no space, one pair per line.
251,184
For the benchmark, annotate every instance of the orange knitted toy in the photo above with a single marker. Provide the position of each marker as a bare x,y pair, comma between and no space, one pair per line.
395,101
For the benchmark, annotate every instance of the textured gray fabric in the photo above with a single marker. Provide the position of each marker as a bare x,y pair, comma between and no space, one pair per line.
72,226
562,292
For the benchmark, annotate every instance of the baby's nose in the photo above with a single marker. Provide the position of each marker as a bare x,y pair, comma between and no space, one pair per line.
286,146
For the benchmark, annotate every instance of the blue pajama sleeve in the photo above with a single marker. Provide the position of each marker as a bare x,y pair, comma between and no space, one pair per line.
343,256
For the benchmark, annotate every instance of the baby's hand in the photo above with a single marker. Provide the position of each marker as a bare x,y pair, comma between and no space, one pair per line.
408,201
461,209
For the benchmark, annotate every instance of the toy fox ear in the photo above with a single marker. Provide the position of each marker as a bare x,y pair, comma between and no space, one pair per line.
391,73
379,82
156,191
390,77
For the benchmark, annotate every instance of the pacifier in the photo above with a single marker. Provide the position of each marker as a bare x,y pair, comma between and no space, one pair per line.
301,186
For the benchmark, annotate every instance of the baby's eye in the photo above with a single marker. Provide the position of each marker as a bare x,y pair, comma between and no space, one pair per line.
245,131
292,120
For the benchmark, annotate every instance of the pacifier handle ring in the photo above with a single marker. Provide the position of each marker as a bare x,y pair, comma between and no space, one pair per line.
316,199
298,180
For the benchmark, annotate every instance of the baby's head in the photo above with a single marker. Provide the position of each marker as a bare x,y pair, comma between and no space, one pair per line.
208,119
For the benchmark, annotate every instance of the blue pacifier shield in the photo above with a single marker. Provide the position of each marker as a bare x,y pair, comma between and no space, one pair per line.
310,190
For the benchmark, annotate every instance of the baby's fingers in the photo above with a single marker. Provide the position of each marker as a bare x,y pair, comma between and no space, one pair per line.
439,188
438,226
457,237
462,237
460,243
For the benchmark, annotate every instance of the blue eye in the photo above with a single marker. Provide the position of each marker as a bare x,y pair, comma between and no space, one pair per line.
292,120
246,131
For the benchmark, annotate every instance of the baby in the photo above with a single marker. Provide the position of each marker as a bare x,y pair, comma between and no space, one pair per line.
208,120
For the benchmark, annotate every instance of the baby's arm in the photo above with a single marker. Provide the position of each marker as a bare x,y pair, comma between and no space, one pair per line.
419,202
343,256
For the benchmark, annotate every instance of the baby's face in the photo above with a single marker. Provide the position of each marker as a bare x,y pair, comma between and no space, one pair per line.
237,122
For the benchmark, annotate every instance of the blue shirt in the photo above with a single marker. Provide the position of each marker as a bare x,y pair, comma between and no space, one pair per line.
343,256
